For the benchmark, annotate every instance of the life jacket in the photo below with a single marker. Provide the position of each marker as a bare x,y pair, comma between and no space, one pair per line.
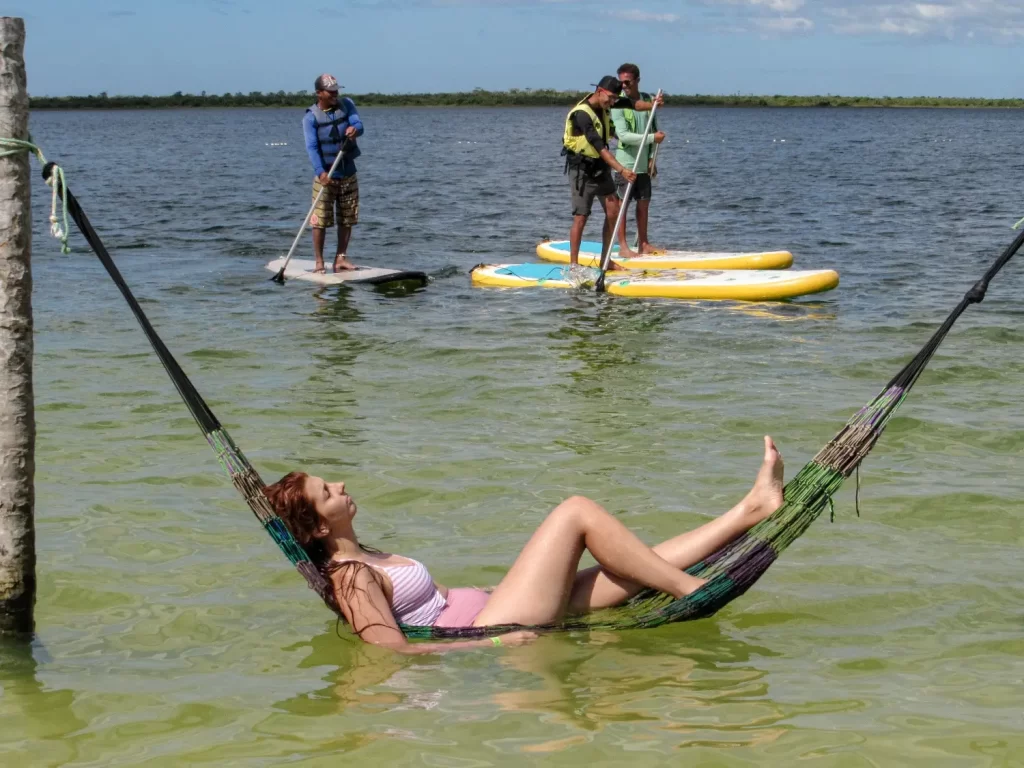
330,134
578,145
630,114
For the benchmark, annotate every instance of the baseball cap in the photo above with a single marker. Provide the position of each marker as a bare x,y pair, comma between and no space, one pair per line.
326,82
609,83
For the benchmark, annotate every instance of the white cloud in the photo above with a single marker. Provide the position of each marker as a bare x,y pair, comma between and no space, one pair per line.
970,19
782,6
977,20
779,6
998,20
636,15
932,11
785,24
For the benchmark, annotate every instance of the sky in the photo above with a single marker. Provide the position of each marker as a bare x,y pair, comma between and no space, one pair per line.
799,47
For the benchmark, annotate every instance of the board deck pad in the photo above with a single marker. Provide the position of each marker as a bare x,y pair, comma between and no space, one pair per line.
737,284
590,256
302,269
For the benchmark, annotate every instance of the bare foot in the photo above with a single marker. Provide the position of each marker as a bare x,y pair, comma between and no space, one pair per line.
318,268
626,253
647,249
692,584
613,267
766,495
341,263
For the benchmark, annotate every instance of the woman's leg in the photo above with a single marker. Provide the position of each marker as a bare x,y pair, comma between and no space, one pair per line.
596,588
537,588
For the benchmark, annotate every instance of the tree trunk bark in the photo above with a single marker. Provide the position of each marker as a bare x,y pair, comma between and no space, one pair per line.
17,413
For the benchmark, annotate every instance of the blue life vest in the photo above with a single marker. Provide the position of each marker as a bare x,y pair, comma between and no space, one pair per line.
330,134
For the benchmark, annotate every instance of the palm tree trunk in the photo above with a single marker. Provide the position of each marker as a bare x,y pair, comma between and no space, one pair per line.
17,413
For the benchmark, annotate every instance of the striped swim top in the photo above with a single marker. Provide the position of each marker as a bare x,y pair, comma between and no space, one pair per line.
415,600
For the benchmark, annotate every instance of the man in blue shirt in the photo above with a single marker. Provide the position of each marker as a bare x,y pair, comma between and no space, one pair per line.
331,126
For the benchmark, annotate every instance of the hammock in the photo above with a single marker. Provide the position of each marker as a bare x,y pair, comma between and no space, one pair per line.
729,572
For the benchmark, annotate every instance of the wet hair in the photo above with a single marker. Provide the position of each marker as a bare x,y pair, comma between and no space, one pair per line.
298,513
631,69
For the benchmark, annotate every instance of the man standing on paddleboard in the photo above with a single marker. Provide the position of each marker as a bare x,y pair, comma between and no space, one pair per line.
630,126
331,126
589,162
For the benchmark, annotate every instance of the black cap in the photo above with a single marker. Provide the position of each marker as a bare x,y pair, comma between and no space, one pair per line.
610,83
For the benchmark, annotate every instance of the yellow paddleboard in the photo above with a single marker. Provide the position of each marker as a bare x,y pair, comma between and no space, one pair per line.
590,256
736,284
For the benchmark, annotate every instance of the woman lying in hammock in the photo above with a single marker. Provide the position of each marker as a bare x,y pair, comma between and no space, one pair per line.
376,591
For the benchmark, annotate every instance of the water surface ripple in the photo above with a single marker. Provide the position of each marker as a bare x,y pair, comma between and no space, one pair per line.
171,631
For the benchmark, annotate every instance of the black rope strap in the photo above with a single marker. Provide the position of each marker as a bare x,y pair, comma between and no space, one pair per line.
193,400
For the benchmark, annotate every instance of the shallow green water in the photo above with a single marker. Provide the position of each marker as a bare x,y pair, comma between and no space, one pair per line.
171,631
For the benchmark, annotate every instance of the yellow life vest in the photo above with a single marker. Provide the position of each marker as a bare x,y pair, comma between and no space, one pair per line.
578,144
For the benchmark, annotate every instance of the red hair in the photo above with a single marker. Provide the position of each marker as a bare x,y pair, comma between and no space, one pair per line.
298,513
288,495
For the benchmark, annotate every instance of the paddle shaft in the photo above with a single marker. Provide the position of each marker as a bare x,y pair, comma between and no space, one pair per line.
279,277
606,257
650,170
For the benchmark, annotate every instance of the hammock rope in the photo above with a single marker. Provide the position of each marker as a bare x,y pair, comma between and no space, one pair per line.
14,147
729,572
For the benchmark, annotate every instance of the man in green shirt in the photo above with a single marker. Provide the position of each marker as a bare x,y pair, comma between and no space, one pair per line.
629,127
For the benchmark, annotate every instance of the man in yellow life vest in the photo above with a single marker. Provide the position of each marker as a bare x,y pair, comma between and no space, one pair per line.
590,163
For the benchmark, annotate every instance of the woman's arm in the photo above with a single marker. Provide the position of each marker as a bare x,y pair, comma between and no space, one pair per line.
366,608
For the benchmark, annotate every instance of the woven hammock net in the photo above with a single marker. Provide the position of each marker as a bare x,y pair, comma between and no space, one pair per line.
729,572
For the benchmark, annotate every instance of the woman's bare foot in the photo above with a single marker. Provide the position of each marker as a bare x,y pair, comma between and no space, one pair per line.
766,495
647,249
694,584
318,268
342,263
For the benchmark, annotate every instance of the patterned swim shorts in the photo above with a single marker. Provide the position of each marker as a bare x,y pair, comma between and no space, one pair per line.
341,195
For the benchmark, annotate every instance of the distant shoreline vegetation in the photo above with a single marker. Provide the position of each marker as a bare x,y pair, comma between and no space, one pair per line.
481,98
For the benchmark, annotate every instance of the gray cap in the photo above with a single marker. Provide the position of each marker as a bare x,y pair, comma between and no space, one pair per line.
326,82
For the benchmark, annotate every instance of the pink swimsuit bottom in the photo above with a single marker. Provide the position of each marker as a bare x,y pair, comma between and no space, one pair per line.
463,606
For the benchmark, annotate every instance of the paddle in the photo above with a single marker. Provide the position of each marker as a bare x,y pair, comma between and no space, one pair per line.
652,169
279,277
606,257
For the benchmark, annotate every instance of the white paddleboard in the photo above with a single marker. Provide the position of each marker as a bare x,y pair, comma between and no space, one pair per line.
302,269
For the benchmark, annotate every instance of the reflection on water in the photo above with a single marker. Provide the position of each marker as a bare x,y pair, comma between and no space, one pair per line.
705,685
611,339
38,716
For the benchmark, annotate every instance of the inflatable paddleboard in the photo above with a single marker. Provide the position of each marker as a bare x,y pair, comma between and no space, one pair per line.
590,256
737,284
302,269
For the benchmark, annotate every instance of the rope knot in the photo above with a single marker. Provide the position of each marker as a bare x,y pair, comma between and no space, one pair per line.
53,174
977,293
